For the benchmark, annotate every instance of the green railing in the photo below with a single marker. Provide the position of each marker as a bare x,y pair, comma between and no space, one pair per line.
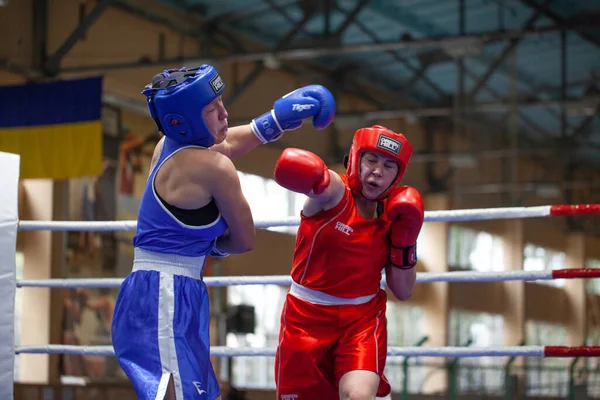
405,369
453,374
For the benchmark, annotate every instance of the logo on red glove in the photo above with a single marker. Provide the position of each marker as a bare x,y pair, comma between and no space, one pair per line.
406,259
412,255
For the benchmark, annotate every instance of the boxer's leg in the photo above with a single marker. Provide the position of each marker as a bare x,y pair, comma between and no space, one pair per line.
303,362
361,352
195,375
135,334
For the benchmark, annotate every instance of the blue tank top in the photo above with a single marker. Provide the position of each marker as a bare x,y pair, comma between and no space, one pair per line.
157,228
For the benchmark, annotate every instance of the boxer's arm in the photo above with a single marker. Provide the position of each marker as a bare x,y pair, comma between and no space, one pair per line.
404,207
400,281
304,172
225,188
329,198
288,113
240,140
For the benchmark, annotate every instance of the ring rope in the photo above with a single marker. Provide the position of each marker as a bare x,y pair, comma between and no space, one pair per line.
430,216
286,280
453,352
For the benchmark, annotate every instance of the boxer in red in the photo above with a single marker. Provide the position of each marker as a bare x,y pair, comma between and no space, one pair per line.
333,335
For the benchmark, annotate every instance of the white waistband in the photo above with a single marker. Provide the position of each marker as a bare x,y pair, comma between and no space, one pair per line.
173,264
316,297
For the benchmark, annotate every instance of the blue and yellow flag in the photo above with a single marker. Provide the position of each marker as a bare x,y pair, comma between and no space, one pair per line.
55,127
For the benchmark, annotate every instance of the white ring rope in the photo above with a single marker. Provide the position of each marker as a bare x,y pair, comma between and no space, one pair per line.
221,351
286,280
430,216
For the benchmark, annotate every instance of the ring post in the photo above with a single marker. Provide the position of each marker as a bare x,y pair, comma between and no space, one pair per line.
9,221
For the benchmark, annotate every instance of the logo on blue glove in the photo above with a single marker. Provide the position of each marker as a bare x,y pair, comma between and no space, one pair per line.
289,112
267,128
302,107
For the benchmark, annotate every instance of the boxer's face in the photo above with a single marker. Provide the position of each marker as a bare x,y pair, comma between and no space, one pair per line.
215,116
377,172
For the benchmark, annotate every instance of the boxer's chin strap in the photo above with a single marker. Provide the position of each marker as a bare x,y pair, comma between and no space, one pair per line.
404,257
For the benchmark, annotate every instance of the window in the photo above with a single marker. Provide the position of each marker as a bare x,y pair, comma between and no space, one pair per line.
269,201
256,372
483,375
541,259
470,249
592,285
593,338
547,376
406,327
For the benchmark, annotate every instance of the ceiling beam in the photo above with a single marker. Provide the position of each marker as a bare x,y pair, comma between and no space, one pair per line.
186,25
421,112
505,52
18,69
52,65
403,93
314,52
546,11
351,17
259,66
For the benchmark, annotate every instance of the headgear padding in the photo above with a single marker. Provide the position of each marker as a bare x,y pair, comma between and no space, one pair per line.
379,140
176,99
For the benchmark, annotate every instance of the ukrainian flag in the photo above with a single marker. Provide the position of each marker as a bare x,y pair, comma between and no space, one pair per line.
55,127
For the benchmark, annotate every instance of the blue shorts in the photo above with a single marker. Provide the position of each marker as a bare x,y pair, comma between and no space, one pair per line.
161,327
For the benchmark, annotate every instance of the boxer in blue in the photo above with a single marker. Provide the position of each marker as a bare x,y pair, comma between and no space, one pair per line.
192,207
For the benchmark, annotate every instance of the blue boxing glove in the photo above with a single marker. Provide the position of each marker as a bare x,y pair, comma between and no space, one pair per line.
288,112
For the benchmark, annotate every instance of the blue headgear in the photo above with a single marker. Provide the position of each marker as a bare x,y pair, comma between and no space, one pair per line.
176,98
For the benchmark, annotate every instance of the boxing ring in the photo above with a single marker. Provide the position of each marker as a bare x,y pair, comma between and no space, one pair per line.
10,225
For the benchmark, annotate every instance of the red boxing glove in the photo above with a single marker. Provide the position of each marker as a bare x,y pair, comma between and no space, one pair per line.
301,171
404,207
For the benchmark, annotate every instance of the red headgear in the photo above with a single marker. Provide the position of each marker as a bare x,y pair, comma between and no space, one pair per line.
381,140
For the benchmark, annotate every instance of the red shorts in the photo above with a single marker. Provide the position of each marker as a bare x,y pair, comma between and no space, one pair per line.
318,344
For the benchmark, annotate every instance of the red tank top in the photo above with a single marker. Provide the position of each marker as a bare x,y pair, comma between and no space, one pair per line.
339,252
